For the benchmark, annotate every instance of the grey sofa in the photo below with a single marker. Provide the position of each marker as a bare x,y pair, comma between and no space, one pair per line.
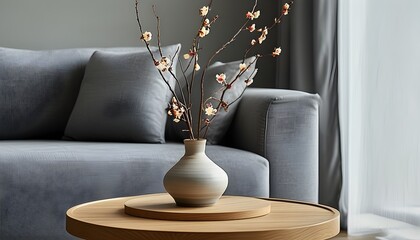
272,152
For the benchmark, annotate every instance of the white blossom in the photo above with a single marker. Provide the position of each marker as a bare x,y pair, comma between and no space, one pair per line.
263,36
221,78
146,36
204,31
210,111
204,11
197,67
251,28
176,110
253,15
286,7
164,64
276,52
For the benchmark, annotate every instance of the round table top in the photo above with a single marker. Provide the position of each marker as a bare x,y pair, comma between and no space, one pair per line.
106,220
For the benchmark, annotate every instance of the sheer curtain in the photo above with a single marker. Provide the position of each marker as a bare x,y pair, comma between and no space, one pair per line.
379,95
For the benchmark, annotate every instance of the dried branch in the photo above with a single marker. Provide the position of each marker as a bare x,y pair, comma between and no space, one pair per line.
251,76
194,52
158,30
211,59
150,51
221,102
277,21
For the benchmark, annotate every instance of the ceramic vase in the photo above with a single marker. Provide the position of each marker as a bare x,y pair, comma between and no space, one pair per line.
195,180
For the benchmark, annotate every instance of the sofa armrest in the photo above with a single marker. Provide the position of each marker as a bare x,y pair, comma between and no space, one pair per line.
282,126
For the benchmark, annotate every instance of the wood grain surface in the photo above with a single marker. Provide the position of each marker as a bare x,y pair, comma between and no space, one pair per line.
162,206
106,220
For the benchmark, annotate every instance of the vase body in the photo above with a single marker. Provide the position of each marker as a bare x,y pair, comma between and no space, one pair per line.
195,180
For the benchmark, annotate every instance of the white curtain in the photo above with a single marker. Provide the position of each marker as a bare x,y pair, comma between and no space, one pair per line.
379,95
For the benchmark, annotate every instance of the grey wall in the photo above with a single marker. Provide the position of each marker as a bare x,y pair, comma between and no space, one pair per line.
51,24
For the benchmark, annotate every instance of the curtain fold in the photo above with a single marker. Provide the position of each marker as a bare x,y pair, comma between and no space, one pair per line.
379,88
309,63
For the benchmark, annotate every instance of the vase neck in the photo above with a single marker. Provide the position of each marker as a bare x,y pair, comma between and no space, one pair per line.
194,146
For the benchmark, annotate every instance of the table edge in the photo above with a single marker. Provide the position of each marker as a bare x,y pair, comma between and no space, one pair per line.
333,222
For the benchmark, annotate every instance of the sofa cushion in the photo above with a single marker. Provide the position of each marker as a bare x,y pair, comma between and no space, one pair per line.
38,90
122,98
220,124
40,180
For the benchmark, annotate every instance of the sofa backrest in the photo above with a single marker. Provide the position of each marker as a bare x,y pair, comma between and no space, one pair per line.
38,90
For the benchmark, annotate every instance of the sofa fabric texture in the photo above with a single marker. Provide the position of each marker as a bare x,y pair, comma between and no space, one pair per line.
38,90
122,98
41,179
284,129
270,151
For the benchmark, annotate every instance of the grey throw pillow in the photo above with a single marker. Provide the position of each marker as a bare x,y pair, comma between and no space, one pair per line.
221,123
38,90
122,98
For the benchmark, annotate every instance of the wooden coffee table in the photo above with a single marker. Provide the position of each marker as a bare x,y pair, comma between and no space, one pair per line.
107,220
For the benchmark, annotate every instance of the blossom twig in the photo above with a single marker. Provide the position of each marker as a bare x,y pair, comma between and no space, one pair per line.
158,30
211,59
181,106
221,102
150,51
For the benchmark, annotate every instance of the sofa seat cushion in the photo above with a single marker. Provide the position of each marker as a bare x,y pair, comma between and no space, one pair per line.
40,180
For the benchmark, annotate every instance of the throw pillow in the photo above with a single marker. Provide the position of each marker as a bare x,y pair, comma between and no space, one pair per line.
122,98
38,90
221,123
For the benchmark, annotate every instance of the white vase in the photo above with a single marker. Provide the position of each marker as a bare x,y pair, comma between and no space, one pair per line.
195,180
